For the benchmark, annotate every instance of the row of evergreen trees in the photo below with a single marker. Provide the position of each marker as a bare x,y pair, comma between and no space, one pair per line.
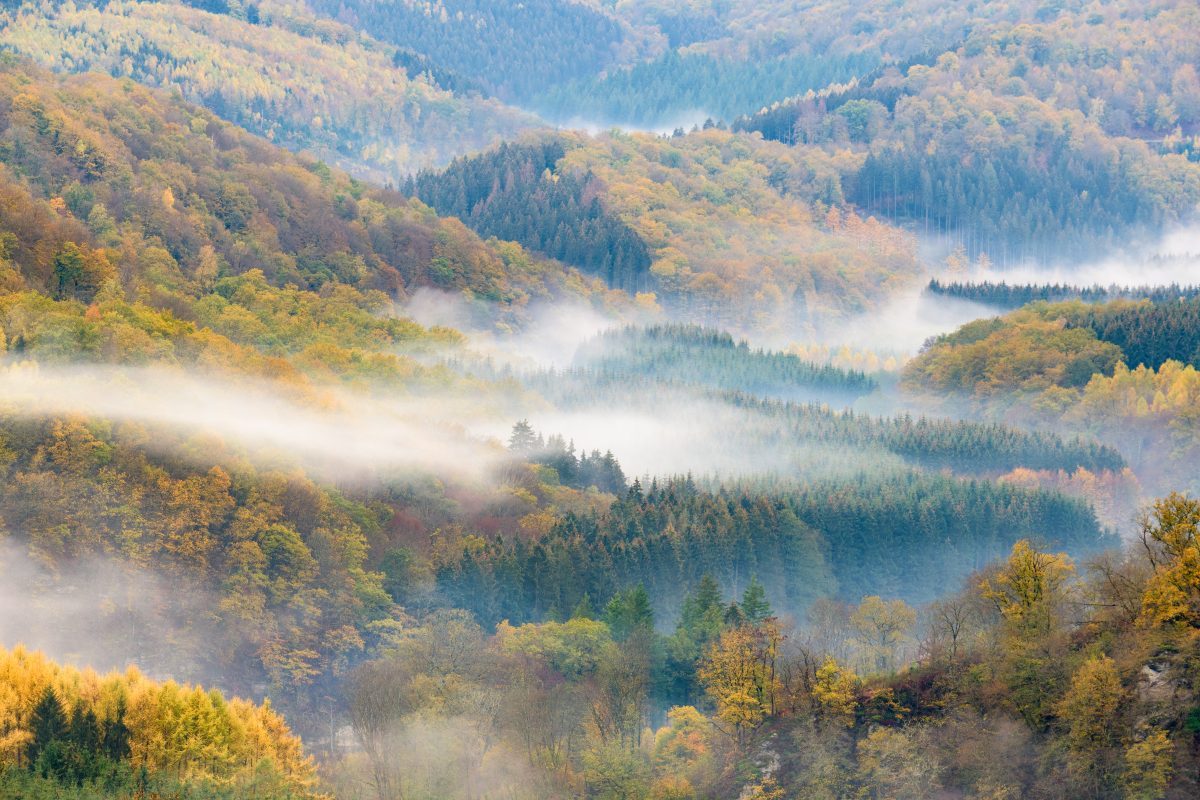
1009,296
911,535
665,538
903,537
691,354
1148,333
965,447
515,193
942,444
1014,202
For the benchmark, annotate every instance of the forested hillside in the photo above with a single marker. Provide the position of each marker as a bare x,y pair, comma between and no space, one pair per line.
1118,371
143,232
682,89
1040,129
1016,692
859,86
303,82
722,229
515,49
545,464
106,181
842,539
512,193
813,27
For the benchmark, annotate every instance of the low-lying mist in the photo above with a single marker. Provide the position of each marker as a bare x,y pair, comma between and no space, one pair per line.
662,433
903,323
105,615
548,337
1173,258
336,435
665,125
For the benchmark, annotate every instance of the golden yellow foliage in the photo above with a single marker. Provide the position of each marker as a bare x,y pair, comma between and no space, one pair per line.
185,731
739,674
727,244
1171,536
835,691
1148,767
1028,589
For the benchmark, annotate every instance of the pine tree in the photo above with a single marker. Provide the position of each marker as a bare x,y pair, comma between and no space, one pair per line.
115,743
583,609
754,602
700,606
629,611
47,724
523,439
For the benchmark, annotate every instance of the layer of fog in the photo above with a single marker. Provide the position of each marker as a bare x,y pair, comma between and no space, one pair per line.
426,755
336,435
1173,258
906,320
548,337
902,323
344,437
656,430
666,125
104,615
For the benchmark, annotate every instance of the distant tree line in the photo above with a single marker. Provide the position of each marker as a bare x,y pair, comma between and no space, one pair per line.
1009,296
692,354
659,92
581,470
941,444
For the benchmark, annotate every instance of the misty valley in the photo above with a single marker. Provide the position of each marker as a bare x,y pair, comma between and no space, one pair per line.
599,399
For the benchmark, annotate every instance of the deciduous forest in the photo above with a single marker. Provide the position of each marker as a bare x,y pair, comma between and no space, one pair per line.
599,399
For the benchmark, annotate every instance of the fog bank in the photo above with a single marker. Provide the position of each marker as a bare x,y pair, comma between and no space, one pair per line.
339,436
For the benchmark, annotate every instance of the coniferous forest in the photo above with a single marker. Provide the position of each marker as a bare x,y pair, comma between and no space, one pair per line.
639,400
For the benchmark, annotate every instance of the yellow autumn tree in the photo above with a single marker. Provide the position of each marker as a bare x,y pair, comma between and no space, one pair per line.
881,626
1089,711
1148,767
185,732
1030,592
683,749
740,675
835,692
1171,539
